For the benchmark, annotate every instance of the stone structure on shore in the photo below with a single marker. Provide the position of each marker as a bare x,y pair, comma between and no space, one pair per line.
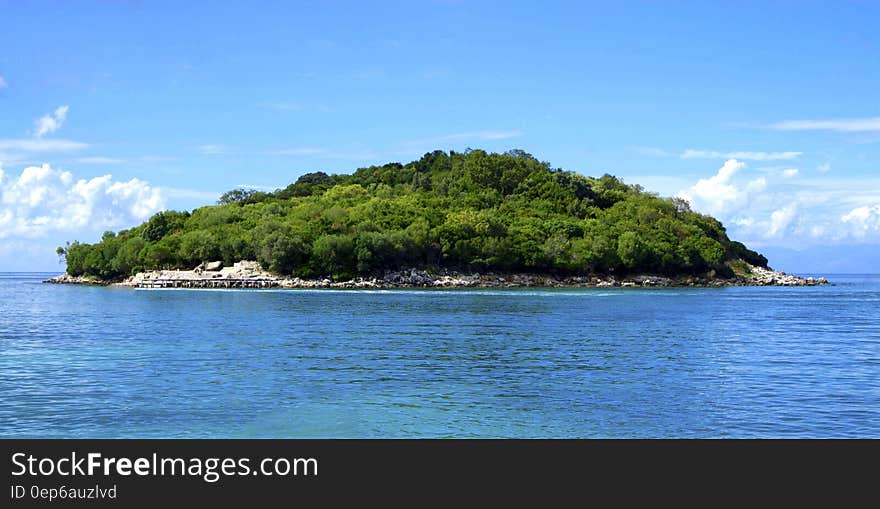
249,274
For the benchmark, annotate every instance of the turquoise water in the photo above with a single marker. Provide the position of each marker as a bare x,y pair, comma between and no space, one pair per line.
733,362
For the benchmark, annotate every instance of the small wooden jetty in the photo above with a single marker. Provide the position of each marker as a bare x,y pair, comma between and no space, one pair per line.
243,274
208,283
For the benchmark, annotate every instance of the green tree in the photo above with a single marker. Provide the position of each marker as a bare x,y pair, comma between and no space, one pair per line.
335,255
162,224
284,254
630,250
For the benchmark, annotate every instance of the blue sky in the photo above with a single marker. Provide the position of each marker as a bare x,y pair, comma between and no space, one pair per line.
763,114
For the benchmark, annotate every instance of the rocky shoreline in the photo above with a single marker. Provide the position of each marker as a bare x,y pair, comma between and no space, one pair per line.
248,274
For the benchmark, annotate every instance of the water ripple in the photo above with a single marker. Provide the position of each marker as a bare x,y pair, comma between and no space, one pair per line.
733,362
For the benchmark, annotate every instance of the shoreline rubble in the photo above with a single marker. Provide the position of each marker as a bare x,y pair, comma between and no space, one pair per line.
249,274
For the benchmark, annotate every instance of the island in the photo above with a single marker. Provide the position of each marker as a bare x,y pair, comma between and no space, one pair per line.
449,219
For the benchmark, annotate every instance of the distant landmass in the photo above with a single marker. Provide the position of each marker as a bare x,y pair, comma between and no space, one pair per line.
469,211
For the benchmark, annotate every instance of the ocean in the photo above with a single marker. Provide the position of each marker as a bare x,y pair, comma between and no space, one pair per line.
538,363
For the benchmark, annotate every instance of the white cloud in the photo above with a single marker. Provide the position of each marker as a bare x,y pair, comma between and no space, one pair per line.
780,219
746,156
851,125
50,123
211,149
718,194
28,150
864,220
35,145
780,171
779,209
756,186
42,200
99,160
23,150
823,168
3,83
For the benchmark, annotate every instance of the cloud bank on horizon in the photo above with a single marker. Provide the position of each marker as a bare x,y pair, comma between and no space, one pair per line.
777,207
41,201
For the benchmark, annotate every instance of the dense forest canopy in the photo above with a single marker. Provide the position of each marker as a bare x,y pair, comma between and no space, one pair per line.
471,211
